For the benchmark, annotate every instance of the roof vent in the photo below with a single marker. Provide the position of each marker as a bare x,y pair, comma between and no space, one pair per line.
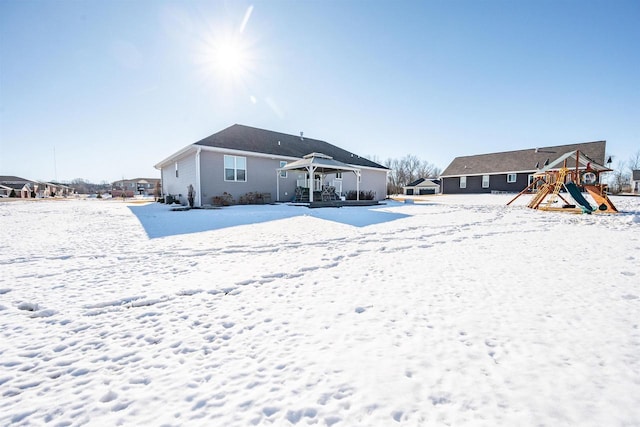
301,136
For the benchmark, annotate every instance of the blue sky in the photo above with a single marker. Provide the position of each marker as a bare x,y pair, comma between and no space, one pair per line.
102,90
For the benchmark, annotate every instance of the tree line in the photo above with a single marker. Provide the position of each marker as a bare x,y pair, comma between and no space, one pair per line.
620,179
406,170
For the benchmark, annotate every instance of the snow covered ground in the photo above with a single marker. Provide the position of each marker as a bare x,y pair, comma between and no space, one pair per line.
456,311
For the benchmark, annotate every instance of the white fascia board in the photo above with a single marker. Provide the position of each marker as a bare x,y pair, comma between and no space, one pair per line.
490,174
194,147
273,156
370,168
247,153
176,156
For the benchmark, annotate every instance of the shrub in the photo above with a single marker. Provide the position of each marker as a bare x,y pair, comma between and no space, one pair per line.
254,198
225,200
364,195
191,194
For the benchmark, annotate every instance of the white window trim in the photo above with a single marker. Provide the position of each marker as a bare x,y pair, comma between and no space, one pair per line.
283,174
235,168
515,178
463,182
485,183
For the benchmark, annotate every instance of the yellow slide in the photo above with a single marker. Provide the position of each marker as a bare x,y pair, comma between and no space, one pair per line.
601,199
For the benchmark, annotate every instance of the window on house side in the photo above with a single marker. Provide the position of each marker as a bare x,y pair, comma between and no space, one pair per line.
485,181
511,178
235,168
338,175
283,174
463,182
176,169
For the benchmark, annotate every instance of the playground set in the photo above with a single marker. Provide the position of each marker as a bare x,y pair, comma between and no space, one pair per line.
548,183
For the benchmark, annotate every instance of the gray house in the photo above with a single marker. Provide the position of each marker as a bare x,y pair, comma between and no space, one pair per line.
510,171
242,160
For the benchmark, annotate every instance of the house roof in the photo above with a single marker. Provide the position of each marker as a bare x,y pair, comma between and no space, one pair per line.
13,179
246,138
424,182
16,185
520,160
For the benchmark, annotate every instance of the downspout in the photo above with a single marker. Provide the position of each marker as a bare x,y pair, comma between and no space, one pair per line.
277,185
198,192
162,193
357,185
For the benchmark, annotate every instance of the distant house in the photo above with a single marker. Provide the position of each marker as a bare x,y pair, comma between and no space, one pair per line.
510,171
22,188
5,191
422,186
635,181
240,160
26,189
137,186
51,189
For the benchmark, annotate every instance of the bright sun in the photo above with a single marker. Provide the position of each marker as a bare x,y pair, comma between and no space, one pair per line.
229,59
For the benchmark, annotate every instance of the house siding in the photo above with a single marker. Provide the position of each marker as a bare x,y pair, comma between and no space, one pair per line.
372,180
261,178
451,185
186,175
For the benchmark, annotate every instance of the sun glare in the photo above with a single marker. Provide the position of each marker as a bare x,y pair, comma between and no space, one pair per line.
226,56
229,59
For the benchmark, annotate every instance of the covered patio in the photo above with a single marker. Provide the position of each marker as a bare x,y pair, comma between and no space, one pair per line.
317,166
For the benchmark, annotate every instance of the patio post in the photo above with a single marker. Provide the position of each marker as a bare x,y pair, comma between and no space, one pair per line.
311,170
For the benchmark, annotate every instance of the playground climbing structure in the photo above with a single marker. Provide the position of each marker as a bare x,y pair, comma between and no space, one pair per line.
563,180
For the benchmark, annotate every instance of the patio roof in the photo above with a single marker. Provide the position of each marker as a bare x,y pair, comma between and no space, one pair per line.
321,163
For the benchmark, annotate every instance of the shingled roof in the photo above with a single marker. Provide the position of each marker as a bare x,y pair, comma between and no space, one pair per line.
13,179
246,138
521,160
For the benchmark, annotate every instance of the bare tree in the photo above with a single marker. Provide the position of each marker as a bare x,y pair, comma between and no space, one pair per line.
406,170
634,161
619,178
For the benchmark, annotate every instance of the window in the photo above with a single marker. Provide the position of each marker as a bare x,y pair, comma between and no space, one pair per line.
338,175
530,178
235,168
176,169
283,174
485,181
511,178
463,182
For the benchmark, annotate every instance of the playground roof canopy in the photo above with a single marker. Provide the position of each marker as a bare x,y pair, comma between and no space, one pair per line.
572,158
